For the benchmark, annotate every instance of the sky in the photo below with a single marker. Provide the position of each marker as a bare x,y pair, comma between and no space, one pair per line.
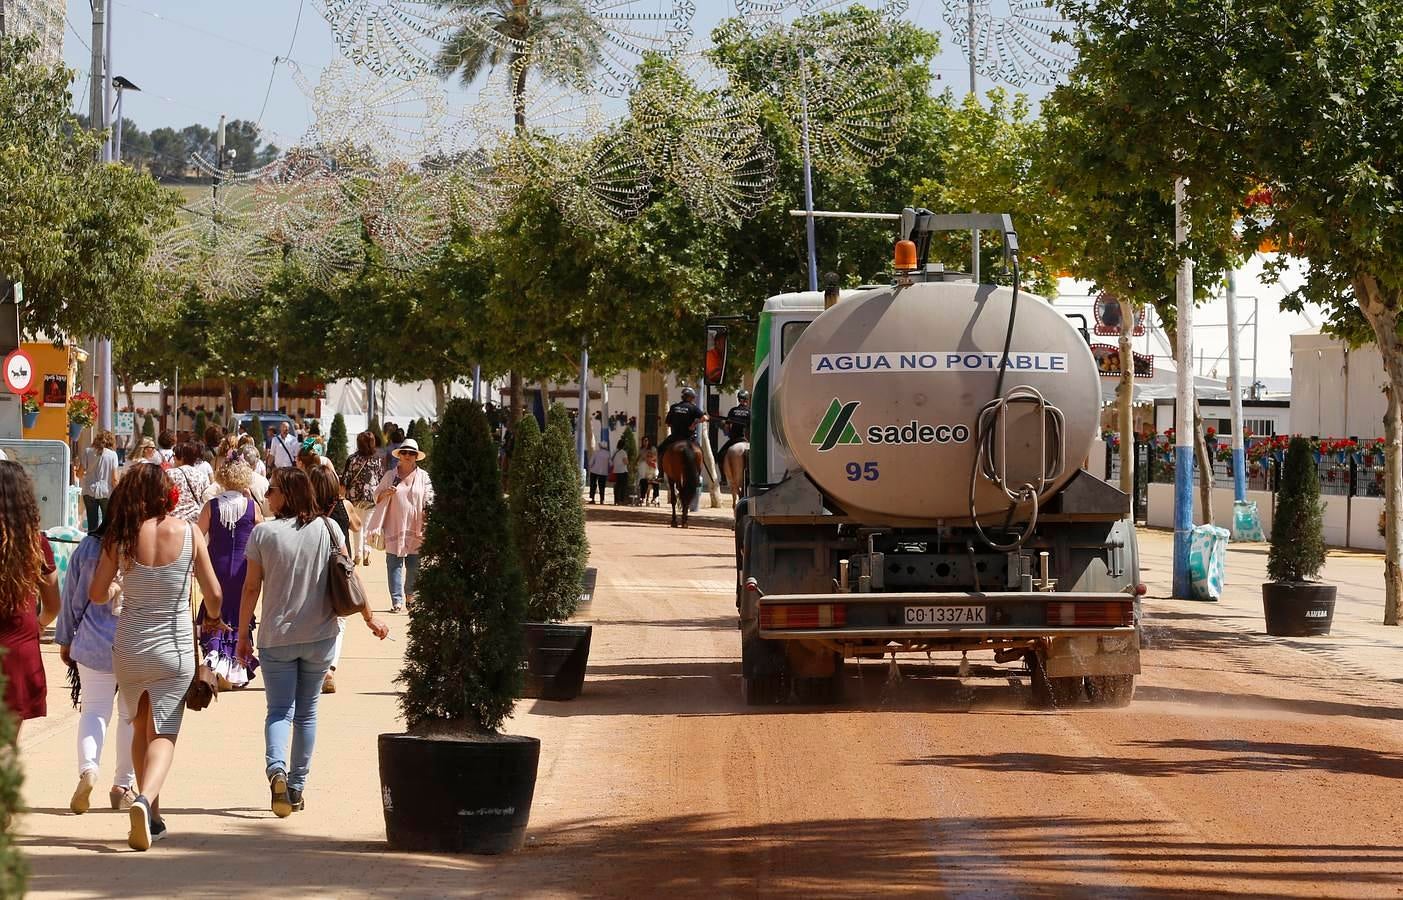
197,59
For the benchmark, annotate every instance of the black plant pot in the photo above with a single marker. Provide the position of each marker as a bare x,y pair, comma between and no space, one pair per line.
555,660
1298,609
457,795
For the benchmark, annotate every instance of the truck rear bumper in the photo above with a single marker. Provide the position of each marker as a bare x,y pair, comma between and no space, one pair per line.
1010,616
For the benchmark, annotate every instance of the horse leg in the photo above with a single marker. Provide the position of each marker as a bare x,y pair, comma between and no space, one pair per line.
672,500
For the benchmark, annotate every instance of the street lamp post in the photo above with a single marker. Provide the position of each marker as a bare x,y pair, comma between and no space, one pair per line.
1184,405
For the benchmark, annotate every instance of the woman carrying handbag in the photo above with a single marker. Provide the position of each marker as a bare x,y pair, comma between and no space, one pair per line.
289,567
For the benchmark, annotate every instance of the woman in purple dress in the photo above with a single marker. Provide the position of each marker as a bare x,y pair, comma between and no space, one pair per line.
227,521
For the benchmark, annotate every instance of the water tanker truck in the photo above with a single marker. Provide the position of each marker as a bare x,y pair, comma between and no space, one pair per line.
916,485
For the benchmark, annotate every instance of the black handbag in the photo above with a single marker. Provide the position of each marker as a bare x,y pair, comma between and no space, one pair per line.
344,591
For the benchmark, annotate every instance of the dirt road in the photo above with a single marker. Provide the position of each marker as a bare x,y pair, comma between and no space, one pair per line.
1247,766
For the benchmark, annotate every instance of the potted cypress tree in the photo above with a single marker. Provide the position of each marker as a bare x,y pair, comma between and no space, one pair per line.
14,872
148,426
453,782
1294,604
425,436
336,448
548,520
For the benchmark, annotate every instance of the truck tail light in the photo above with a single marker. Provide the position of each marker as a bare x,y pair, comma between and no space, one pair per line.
1109,614
804,615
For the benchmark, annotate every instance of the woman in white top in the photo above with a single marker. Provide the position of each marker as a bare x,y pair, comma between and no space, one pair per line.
190,481
599,466
621,474
99,477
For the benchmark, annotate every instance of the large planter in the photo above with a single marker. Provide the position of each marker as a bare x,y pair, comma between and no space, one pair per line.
1298,609
555,660
457,794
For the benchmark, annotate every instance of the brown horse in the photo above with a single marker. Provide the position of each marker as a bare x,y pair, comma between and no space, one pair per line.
681,463
733,467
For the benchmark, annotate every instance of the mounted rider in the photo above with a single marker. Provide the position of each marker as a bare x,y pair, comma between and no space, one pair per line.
682,418
737,423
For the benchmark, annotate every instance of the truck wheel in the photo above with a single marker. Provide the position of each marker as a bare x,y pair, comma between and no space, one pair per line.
820,691
1053,693
1110,691
765,690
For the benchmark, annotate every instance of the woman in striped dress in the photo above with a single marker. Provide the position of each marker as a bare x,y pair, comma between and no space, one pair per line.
153,655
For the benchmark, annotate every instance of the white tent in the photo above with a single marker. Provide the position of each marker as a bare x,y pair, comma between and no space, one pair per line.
398,403
1163,386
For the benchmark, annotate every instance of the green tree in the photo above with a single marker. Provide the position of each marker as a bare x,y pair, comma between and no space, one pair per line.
337,448
549,523
1302,100
1297,550
75,231
201,423
526,443
255,428
148,426
461,669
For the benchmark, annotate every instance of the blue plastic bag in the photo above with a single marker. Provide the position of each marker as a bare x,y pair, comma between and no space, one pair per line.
1246,523
1208,551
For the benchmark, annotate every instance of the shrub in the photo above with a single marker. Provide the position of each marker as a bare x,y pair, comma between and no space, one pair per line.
425,435
148,426
1297,544
413,429
201,423
255,428
336,447
13,869
549,525
374,428
461,670
526,443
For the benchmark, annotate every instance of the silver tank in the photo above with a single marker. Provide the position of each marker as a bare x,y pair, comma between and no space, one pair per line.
878,400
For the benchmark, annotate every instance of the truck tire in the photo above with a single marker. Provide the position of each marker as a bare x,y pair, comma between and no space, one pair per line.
1053,693
1110,691
823,691
765,690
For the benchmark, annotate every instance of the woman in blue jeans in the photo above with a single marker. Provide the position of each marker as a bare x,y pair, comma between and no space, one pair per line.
289,565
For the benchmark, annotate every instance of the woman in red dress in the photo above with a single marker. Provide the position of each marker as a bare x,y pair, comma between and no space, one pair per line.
26,568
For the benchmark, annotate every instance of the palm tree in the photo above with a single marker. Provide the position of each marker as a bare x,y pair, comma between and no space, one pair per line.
558,37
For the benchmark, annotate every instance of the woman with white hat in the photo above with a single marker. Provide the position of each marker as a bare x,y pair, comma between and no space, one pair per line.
401,498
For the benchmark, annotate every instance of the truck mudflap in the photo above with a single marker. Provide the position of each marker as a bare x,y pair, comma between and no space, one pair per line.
1084,624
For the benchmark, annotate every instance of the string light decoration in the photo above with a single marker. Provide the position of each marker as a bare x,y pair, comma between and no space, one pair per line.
595,179
301,204
392,38
40,19
777,10
389,120
217,249
1019,48
406,39
826,79
702,133
406,214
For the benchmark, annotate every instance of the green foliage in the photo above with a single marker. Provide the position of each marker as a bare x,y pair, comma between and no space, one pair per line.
424,435
148,426
374,428
338,446
461,667
201,423
413,427
1297,543
549,523
75,231
629,442
526,443
558,414
14,871
255,428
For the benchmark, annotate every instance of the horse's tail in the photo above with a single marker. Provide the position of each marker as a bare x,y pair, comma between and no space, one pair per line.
691,470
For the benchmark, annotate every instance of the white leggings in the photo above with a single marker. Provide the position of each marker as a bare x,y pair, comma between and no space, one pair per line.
97,697
358,546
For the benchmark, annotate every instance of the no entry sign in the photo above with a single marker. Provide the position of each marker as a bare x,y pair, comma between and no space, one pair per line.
19,372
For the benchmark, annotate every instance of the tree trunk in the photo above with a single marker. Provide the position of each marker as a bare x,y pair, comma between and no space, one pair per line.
1382,313
441,390
1204,463
228,405
129,388
1125,393
517,407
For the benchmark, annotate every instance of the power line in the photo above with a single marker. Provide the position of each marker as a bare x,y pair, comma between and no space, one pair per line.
76,34
274,74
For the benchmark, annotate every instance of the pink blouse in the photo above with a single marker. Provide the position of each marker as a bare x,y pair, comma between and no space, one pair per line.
401,517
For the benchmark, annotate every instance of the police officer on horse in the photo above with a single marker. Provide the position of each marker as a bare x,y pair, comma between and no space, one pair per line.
678,455
737,423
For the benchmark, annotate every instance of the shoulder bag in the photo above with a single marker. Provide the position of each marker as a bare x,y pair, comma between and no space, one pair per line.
343,588
204,687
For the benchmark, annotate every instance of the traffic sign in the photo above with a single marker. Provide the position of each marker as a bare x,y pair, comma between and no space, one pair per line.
19,372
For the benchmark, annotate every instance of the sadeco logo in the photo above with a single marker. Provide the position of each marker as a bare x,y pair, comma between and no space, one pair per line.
837,426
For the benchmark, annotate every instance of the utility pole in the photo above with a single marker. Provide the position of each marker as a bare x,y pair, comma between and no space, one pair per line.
808,181
1184,403
100,118
1239,473
582,418
973,92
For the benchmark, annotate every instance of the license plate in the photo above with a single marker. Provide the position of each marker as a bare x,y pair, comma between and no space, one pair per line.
947,615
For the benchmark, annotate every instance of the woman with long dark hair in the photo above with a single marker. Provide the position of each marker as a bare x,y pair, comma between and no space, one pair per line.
289,565
26,568
153,655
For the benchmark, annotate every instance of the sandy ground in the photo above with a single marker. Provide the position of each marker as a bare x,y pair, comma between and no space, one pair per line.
1247,766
